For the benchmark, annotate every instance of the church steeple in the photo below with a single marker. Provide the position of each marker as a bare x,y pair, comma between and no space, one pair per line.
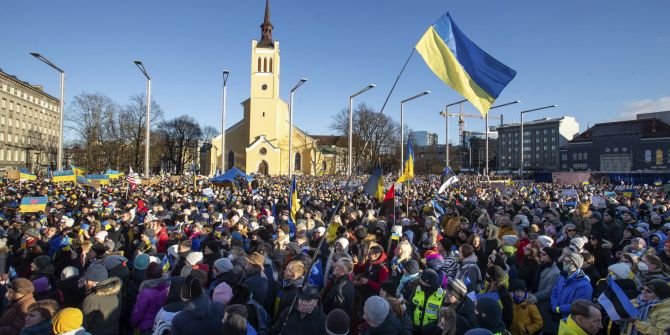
266,29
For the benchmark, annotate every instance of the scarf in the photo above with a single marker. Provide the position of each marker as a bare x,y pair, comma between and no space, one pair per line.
403,281
520,300
642,313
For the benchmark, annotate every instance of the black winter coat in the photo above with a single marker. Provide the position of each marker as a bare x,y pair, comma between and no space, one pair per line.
312,324
340,295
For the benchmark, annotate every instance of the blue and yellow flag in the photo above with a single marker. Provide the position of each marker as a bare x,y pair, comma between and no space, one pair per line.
461,64
33,204
78,171
371,186
293,207
101,179
408,172
25,175
63,176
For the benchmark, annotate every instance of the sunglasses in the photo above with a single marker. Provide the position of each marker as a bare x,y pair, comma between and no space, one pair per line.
571,229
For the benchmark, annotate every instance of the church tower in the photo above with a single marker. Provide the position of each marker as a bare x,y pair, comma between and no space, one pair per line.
264,104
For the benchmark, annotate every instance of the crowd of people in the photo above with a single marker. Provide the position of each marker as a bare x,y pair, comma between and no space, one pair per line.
483,257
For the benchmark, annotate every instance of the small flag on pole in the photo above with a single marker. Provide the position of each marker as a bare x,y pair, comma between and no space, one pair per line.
408,172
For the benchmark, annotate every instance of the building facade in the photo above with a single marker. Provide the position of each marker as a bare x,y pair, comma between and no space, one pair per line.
542,141
29,125
663,116
259,143
624,146
423,138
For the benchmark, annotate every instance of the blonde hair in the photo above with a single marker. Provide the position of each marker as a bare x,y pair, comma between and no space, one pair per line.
297,268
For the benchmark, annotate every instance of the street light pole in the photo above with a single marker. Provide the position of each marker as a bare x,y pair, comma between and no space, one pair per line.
351,121
446,128
290,129
148,127
223,122
59,155
402,128
487,131
521,130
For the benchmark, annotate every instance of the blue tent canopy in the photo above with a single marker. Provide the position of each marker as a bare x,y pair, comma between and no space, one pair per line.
230,176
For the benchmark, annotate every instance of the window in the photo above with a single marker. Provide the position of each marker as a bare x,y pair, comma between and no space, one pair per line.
647,156
553,147
553,131
2,154
564,157
297,163
231,159
574,156
324,165
544,132
659,156
585,155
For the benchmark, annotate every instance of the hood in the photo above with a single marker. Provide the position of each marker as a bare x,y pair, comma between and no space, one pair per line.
662,237
107,287
381,259
492,232
198,307
158,283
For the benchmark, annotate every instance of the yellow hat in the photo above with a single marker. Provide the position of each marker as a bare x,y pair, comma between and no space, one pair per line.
66,320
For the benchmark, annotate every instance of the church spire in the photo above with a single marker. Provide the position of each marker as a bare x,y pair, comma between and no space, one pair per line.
266,29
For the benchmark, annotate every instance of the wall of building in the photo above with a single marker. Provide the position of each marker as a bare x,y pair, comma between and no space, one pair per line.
29,126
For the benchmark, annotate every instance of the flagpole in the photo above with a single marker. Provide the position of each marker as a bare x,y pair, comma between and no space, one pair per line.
396,81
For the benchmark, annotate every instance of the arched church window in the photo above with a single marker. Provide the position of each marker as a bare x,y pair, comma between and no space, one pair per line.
297,163
324,165
259,64
231,160
265,65
270,64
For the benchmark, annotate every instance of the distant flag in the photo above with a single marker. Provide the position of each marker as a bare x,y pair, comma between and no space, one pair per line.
615,302
408,172
448,178
133,179
658,182
293,206
437,207
370,187
25,175
461,64
389,203
380,189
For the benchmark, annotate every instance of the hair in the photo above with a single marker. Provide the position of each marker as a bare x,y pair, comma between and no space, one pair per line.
153,271
448,314
237,309
534,254
185,244
376,249
467,250
588,258
582,307
347,264
296,267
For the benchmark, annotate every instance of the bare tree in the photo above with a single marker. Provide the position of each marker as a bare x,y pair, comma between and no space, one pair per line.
377,130
180,138
209,133
134,117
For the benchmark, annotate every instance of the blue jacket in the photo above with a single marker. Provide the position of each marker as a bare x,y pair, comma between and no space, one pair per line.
568,289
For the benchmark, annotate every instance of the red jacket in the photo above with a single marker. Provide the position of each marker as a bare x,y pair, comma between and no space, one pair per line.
162,239
376,272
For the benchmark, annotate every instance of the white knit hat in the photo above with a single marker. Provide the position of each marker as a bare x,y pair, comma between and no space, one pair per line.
194,258
545,241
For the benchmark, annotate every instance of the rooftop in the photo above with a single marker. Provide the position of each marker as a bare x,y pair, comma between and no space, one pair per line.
645,128
27,84
545,120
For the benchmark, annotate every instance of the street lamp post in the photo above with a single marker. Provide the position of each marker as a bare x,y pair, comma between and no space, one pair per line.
148,134
290,129
446,128
351,121
521,130
402,128
223,122
59,158
486,132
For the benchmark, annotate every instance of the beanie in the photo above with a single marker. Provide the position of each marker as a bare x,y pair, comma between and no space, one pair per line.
22,286
223,265
67,319
577,243
659,287
429,276
510,240
517,285
337,322
577,259
489,313
96,273
389,286
620,270
191,289
376,309
41,284
457,288
545,241
411,266
552,253
113,261
222,293
42,261
141,261
69,272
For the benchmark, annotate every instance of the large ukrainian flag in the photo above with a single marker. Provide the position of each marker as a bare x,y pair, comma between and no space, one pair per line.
461,64
408,172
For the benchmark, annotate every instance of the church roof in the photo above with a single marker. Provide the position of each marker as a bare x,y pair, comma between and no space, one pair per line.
266,29
645,128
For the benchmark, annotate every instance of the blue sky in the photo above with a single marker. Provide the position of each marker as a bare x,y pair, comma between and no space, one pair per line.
598,60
